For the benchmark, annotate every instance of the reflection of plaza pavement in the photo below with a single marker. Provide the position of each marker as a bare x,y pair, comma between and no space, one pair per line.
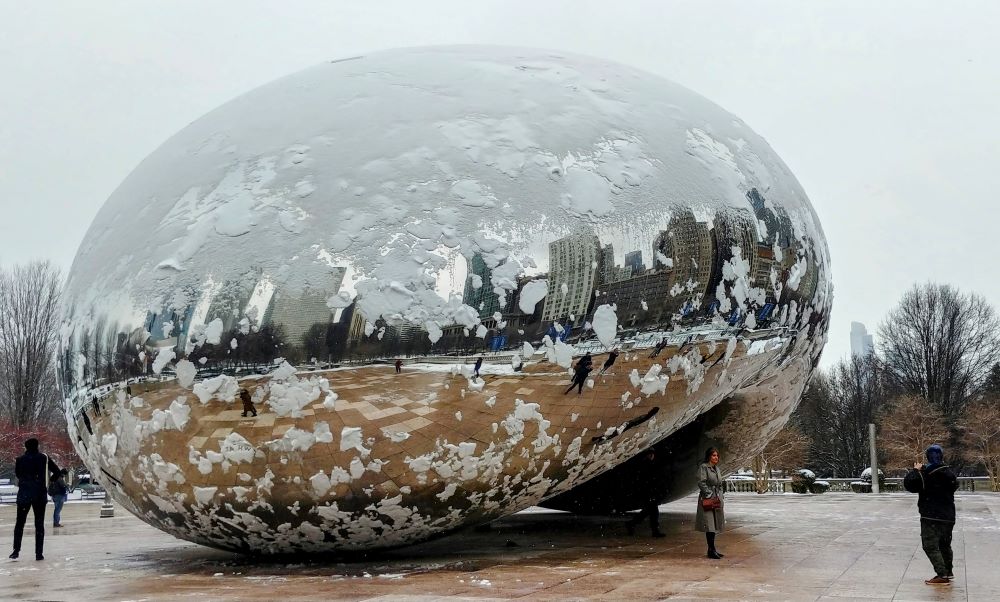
429,405
778,547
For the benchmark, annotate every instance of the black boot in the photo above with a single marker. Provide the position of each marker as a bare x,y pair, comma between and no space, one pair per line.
710,539
14,555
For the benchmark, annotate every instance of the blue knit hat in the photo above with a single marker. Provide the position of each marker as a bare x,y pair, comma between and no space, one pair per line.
935,454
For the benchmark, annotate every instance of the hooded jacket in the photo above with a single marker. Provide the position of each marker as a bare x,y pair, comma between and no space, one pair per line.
935,485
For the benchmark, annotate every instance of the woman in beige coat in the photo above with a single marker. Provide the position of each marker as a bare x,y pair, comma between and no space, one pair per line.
710,485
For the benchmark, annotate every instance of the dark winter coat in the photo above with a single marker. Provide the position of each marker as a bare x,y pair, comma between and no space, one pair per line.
710,484
31,477
57,486
935,485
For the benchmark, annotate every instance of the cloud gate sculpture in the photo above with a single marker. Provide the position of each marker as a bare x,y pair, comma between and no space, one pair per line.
393,295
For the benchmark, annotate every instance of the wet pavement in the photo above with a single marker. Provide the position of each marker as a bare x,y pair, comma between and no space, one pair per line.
778,547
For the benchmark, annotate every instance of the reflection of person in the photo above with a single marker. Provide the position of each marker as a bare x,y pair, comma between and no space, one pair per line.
583,367
32,471
399,366
659,347
935,485
247,403
86,422
610,361
96,405
651,477
479,364
58,491
710,486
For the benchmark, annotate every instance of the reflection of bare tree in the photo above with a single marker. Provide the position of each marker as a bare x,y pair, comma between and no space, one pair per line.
127,361
314,342
255,350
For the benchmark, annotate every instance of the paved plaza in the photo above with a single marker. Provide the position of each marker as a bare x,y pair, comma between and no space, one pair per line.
778,547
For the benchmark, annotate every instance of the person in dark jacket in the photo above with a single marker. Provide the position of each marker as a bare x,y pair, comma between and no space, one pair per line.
659,347
479,364
32,471
583,367
58,492
610,361
650,509
247,403
935,485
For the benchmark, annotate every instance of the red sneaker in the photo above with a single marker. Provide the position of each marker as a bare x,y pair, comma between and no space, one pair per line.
938,581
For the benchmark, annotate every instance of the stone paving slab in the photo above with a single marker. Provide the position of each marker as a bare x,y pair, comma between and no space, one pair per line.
834,547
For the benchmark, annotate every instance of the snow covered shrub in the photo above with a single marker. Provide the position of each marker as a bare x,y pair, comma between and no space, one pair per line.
819,487
802,480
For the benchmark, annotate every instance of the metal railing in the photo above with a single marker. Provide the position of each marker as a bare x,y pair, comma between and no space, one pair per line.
96,494
889,485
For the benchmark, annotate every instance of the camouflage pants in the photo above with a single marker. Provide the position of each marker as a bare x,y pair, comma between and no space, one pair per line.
936,539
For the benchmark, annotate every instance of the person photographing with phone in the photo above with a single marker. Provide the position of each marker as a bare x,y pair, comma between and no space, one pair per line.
935,484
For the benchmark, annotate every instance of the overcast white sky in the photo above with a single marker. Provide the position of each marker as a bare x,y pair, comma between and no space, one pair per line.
886,111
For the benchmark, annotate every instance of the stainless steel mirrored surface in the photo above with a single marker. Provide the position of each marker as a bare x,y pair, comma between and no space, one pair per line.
342,246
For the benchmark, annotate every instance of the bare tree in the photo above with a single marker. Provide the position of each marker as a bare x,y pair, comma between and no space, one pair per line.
982,435
908,428
836,410
787,450
29,314
941,344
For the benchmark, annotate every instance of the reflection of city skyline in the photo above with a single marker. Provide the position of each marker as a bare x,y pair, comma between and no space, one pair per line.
657,280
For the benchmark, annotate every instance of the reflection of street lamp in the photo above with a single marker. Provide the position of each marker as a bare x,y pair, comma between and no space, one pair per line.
108,508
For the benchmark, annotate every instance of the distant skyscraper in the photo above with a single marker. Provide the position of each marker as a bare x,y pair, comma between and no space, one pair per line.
861,342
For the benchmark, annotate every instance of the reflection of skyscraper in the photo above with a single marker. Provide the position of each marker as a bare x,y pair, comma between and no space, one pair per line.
608,270
229,303
633,261
652,288
809,280
762,272
482,298
862,343
573,264
298,312
775,220
689,247
356,329
734,229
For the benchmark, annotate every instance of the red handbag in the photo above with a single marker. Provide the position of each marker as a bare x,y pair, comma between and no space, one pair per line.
711,503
